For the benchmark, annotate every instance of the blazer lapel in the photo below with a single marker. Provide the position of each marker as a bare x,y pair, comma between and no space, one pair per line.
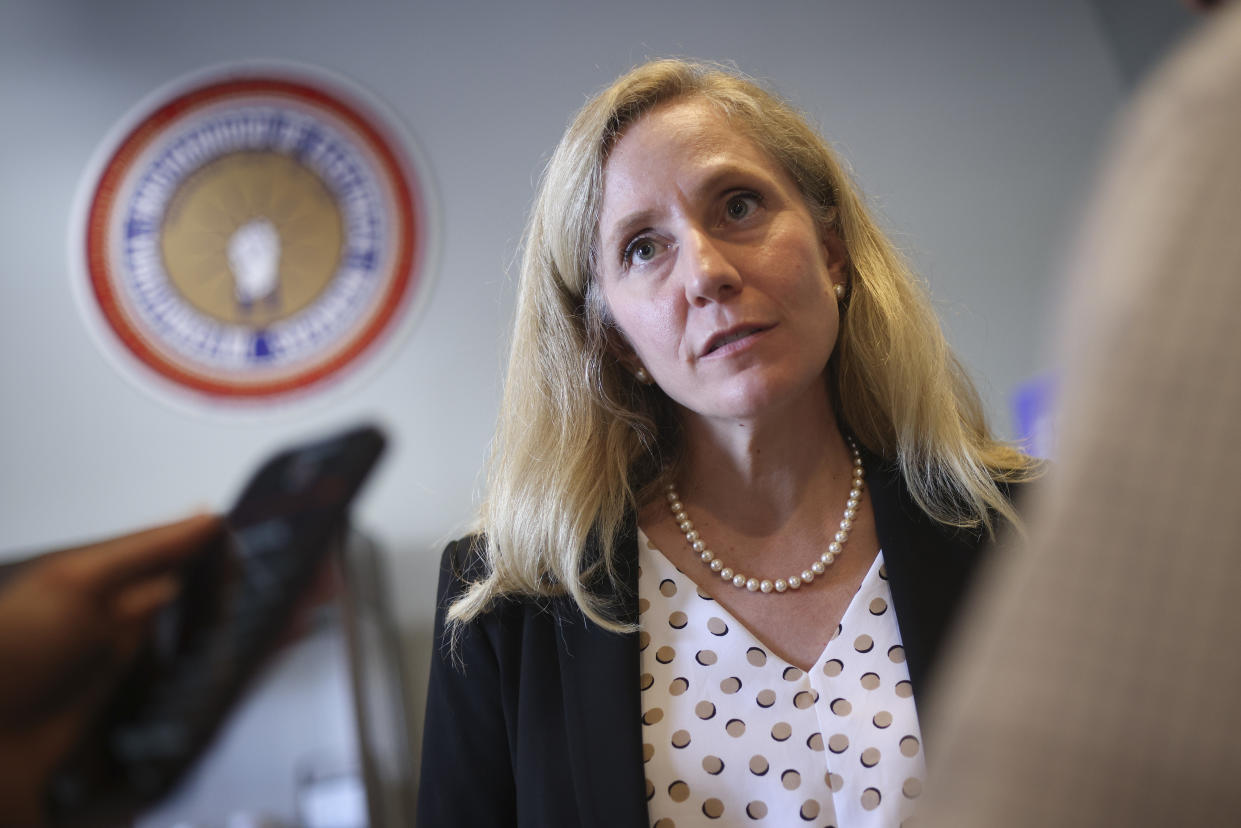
929,568
599,678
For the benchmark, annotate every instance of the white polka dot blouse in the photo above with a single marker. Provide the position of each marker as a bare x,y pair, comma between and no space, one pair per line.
734,735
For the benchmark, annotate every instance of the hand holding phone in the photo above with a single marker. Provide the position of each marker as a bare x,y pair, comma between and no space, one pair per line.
70,623
237,596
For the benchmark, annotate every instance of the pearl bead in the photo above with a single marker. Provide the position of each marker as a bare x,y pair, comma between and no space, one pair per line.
765,585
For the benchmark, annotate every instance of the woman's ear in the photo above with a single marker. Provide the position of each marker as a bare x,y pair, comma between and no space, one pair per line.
836,255
634,366
619,349
617,344
834,251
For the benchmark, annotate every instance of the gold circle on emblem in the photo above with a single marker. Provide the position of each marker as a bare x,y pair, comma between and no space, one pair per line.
252,238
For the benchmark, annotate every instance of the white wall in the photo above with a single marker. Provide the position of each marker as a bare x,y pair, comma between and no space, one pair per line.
972,125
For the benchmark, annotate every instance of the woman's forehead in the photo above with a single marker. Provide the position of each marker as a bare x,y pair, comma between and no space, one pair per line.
680,147
696,117
687,135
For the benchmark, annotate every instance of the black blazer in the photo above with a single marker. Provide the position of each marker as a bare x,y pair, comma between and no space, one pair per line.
536,720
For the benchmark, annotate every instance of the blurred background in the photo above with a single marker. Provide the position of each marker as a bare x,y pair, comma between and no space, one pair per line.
972,126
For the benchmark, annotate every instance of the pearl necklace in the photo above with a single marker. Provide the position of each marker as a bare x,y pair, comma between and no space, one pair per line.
779,584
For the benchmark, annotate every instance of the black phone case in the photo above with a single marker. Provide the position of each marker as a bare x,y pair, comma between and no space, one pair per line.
237,599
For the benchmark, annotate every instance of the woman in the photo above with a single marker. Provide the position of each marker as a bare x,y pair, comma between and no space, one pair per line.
726,395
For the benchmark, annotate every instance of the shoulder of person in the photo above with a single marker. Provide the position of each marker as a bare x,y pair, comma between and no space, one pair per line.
465,559
465,563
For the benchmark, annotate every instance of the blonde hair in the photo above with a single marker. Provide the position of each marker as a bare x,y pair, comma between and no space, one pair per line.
580,443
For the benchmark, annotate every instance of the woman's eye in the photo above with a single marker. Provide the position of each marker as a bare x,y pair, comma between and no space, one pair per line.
641,250
742,205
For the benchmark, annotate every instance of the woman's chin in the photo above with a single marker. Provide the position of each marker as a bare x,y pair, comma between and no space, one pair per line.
759,403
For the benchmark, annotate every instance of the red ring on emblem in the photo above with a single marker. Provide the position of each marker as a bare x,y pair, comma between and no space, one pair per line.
408,223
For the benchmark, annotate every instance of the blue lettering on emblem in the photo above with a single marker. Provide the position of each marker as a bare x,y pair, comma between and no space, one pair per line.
261,349
275,127
136,228
363,261
309,141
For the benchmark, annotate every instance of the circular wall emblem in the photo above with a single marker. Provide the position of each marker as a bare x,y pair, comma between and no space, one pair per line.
252,234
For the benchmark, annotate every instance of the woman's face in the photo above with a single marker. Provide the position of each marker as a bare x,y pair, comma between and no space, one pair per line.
712,266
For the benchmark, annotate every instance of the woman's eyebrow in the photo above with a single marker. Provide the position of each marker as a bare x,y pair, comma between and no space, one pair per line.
716,169
623,227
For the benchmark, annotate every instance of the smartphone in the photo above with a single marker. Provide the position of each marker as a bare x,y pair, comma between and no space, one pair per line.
237,600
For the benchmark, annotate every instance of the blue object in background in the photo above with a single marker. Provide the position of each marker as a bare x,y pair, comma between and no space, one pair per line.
1034,405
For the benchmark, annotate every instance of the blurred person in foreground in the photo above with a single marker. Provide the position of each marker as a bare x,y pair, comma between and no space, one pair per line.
70,623
1098,681
738,485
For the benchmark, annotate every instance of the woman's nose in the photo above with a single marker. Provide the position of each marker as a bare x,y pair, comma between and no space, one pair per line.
711,275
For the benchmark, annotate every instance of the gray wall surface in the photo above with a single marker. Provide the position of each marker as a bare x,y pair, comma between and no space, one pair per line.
972,126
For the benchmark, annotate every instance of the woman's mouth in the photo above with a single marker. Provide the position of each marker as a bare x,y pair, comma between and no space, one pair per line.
728,337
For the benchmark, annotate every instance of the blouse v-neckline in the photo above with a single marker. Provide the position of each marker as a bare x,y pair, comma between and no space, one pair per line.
841,742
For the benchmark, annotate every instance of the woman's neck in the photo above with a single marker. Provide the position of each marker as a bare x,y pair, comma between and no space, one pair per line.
763,473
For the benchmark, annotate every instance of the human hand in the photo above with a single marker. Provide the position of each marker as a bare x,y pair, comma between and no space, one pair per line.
70,622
